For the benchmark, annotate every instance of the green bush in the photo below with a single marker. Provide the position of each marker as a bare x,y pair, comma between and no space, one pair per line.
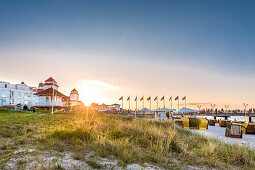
4,110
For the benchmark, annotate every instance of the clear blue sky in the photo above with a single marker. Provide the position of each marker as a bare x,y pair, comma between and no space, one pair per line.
112,41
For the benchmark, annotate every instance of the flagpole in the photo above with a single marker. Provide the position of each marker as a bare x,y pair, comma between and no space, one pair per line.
150,102
135,106
122,104
143,101
178,103
171,102
185,100
129,103
157,102
52,98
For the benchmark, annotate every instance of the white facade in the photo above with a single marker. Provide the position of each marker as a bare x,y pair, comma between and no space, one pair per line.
74,96
47,101
59,99
13,94
104,107
47,86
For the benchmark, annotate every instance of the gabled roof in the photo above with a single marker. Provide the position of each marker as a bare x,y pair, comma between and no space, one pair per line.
48,92
186,110
165,110
66,98
74,91
145,110
50,79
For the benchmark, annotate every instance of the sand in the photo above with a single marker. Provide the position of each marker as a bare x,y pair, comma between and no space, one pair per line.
219,132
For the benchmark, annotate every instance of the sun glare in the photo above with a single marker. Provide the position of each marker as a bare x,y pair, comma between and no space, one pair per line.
94,91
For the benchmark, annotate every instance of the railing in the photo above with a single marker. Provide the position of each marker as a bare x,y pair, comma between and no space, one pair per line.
219,114
48,104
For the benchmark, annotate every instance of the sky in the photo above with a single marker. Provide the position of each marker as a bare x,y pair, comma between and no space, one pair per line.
108,49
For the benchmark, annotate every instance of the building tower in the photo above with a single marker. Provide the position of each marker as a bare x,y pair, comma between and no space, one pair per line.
49,83
74,95
40,87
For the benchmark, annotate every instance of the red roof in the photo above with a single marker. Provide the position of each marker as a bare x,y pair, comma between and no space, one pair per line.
49,91
39,90
50,84
74,91
66,98
50,79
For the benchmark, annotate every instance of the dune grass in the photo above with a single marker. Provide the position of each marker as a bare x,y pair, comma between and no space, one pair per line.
124,138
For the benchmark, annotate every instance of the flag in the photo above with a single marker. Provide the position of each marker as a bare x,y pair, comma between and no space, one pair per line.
177,98
170,98
162,98
121,98
156,98
184,98
149,98
141,99
136,98
128,98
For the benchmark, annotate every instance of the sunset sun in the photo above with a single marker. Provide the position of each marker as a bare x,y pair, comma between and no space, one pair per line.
94,91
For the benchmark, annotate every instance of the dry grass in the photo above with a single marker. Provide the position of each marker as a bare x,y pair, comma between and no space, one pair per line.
135,140
126,139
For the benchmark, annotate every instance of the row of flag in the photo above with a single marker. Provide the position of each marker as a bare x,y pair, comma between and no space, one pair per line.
156,98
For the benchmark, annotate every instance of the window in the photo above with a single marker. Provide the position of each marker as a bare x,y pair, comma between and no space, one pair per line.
4,102
3,94
5,86
47,99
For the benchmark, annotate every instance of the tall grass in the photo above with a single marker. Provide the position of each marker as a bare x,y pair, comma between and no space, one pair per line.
136,140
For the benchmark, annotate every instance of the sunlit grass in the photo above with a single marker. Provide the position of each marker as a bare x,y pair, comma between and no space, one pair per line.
135,140
124,138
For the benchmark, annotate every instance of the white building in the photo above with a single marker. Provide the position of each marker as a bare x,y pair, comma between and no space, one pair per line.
13,94
73,99
104,107
41,97
48,96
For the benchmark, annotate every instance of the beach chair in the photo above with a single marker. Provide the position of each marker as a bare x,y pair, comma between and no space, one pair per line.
248,128
224,123
185,122
211,122
234,130
202,124
178,122
193,123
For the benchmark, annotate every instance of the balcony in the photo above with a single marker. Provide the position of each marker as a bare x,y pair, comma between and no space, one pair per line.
49,104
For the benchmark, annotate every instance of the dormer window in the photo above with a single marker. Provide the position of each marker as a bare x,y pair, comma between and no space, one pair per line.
5,86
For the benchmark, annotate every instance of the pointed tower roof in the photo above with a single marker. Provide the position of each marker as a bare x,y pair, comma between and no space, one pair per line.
50,79
74,91
41,84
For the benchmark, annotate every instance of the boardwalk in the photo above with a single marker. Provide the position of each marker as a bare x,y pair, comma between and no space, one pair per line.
215,114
